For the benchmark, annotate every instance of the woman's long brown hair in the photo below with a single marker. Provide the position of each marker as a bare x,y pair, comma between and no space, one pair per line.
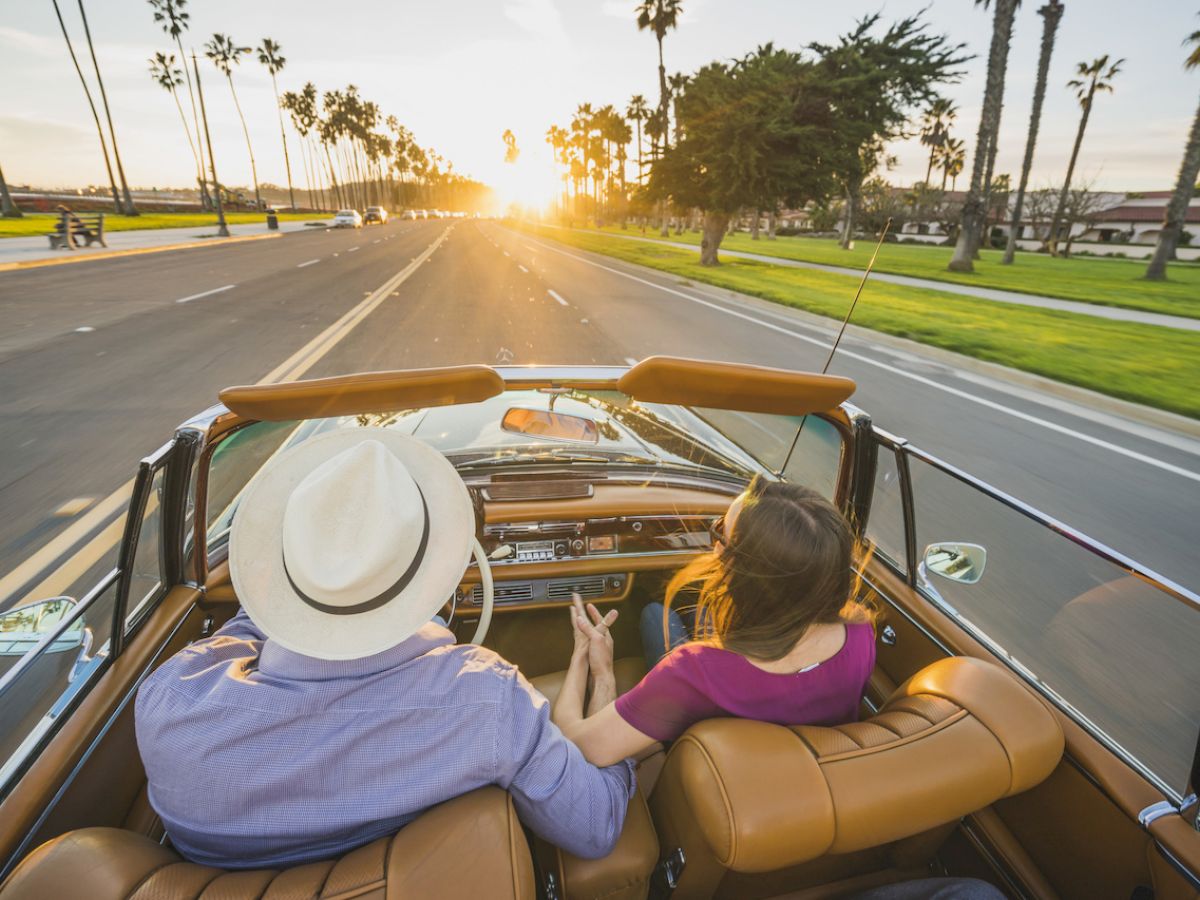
791,563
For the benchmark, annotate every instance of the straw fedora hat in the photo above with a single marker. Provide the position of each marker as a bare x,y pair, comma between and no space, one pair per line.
346,544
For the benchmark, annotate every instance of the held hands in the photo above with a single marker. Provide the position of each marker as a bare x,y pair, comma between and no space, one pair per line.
593,640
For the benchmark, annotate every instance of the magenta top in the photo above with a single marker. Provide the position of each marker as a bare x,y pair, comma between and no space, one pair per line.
698,681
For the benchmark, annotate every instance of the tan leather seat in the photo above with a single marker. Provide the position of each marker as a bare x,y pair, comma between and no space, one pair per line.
748,801
625,873
471,846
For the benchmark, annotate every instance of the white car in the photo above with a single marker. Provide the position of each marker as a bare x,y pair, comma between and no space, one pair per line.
347,218
376,214
410,214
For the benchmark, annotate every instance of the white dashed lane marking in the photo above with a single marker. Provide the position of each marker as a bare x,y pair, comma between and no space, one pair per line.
311,262
522,268
557,297
219,290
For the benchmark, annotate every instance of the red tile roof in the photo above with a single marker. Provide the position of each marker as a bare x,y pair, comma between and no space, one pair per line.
1144,214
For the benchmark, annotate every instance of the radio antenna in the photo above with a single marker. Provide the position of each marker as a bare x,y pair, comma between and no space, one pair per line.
838,340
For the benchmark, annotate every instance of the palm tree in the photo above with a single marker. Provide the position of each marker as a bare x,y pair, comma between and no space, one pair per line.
974,211
677,83
660,16
638,112
8,209
1185,185
225,54
1091,77
511,150
269,56
952,156
1050,14
130,209
95,115
169,77
174,20
935,128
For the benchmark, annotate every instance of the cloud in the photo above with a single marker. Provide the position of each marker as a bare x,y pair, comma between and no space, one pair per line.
540,18
38,44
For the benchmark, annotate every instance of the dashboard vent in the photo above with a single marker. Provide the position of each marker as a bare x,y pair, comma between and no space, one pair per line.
506,592
537,490
585,587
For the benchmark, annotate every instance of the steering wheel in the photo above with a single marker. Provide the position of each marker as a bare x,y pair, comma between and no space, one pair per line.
489,593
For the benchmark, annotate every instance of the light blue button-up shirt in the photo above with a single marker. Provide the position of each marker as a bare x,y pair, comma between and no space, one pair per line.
258,756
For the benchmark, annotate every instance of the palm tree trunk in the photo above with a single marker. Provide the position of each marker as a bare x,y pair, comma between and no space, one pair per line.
191,144
249,148
1189,171
222,228
984,228
130,209
851,210
333,182
1056,222
929,168
95,115
205,201
8,209
989,127
754,224
283,136
1050,13
945,172
772,222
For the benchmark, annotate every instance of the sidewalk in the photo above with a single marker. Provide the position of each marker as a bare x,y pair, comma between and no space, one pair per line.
1072,306
32,250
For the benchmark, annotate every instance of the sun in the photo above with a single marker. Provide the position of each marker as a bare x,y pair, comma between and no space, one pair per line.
529,182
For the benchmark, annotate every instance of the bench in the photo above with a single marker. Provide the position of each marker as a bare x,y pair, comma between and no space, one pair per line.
73,226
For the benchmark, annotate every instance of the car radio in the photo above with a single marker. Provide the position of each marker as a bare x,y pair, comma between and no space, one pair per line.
536,551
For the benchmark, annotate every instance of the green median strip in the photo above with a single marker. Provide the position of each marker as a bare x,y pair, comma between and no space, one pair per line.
32,224
1145,364
1108,282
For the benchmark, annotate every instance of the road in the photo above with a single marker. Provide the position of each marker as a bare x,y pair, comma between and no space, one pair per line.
100,361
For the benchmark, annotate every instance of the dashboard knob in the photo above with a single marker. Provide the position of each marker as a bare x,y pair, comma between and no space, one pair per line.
637,526
577,545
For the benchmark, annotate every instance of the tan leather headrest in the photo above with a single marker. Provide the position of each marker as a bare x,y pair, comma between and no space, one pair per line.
955,738
725,385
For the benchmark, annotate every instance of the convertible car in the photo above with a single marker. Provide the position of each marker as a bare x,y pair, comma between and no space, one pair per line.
1032,719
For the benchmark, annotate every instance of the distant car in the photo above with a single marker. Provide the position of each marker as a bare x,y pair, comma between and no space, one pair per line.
375,214
411,214
347,218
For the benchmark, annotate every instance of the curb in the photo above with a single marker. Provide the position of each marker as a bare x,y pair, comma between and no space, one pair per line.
135,251
1084,397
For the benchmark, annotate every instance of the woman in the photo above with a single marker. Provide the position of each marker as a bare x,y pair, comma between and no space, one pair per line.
780,638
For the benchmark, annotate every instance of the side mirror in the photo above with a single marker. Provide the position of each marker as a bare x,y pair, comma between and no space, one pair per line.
955,561
23,628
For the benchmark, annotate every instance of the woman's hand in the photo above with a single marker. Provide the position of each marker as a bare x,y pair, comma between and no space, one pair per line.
592,633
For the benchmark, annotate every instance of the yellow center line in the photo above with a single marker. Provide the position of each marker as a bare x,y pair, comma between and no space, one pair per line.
94,550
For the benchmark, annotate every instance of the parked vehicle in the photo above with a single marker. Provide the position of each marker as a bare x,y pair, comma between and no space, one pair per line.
348,218
1032,717
375,214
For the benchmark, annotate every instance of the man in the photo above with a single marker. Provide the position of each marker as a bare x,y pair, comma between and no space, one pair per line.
331,710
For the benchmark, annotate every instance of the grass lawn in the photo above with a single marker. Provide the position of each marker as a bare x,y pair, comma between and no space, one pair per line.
1143,363
43,223
1110,282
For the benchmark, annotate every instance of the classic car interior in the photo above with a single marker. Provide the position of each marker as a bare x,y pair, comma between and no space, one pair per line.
959,763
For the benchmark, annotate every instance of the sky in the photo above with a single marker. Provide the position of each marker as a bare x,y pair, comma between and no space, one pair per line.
460,72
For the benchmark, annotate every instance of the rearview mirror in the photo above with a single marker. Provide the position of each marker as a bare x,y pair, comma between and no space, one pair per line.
958,562
552,425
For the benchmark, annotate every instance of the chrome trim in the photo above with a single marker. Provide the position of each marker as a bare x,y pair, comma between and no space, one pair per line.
1156,811
888,635
1193,878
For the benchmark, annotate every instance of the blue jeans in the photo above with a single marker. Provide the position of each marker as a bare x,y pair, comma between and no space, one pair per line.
653,645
